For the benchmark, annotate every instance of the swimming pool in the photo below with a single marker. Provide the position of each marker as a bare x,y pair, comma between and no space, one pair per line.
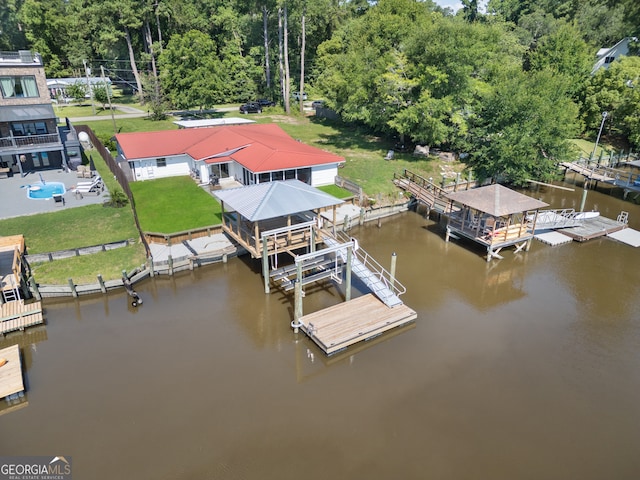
43,191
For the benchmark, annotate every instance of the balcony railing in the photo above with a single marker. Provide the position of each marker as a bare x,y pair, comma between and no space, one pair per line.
29,140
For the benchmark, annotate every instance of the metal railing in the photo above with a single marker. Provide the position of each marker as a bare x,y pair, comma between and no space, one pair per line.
29,140
381,274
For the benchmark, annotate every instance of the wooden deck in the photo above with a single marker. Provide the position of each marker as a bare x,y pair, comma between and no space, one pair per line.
337,327
11,372
17,315
593,228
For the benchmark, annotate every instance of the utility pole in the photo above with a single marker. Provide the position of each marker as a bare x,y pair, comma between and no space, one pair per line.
108,88
90,90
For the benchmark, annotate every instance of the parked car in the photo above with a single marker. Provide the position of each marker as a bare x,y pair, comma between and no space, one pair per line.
251,107
296,95
265,102
318,104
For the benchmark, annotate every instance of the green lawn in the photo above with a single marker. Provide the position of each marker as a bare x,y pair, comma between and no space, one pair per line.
336,191
585,147
175,204
84,269
72,227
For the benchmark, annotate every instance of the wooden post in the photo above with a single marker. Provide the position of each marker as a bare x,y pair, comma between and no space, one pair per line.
584,198
103,288
312,246
74,292
362,211
256,232
265,266
191,264
224,258
394,258
347,295
151,271
344,223
170,261
34,287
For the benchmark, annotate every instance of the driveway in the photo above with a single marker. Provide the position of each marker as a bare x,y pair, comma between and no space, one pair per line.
14,201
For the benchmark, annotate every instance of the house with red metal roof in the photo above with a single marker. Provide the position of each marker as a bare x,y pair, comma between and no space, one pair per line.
251,154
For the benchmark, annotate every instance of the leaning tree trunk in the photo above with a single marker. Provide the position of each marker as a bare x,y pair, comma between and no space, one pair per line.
149,42
284,88
304,38
132,59
158,25
267,65
287,77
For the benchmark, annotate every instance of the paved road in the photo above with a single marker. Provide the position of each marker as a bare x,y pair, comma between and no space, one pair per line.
131,112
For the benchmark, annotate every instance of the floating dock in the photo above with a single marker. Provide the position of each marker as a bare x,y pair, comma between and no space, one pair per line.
337,327
11,384
17,315
594,228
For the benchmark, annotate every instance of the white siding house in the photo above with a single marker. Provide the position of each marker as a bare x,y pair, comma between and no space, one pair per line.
606,56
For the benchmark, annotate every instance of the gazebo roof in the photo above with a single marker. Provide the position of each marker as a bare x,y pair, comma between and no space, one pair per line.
496,200
275,199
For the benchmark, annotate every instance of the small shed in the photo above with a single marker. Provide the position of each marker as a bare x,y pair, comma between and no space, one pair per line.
493,216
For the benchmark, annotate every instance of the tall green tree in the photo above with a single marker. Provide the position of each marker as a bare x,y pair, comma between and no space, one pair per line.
11,33
46,29
190,71
523,129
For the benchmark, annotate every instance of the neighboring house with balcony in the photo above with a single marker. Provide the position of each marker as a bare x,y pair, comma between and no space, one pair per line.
606,56
29,135
250,154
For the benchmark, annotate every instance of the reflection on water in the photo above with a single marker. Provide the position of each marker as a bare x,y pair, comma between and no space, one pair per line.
521,368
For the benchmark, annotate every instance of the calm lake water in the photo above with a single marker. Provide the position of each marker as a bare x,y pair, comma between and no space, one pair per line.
524,368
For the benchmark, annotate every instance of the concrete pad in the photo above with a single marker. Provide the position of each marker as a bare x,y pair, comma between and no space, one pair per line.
628,236
344,210
214,243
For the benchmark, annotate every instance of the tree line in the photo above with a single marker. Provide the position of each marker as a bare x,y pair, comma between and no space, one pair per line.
506,87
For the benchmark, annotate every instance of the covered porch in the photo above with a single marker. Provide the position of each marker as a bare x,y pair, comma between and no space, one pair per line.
493,216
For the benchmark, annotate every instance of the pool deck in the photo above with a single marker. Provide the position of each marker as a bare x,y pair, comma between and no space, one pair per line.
14,201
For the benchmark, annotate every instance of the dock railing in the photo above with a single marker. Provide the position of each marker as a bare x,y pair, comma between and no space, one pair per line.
373,266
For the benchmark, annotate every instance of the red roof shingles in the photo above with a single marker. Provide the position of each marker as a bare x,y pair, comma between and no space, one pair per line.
257,147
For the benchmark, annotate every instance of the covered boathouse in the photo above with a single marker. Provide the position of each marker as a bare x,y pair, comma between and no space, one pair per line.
283,217
493,216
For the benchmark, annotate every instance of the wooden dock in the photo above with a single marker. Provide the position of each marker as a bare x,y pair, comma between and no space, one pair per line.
17,315
593,228
11,372
337,327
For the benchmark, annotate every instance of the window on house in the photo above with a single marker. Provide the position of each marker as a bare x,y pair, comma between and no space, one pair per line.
23,86
264,177
161,162
608,60
277,175
289,174
28,128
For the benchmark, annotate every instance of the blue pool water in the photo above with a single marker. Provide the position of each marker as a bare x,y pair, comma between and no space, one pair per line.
45,190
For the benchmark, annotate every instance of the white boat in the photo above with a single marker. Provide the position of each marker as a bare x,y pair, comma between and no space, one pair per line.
586,215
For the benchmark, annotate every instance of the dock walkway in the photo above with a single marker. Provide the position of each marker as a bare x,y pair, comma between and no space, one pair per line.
337,327
17,315
374,281
593,228
11,372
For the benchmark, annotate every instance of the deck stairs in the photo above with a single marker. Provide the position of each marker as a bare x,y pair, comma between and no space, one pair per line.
554,219
374,276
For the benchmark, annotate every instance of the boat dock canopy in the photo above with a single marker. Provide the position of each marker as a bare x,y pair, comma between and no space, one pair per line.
275,199
496,200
